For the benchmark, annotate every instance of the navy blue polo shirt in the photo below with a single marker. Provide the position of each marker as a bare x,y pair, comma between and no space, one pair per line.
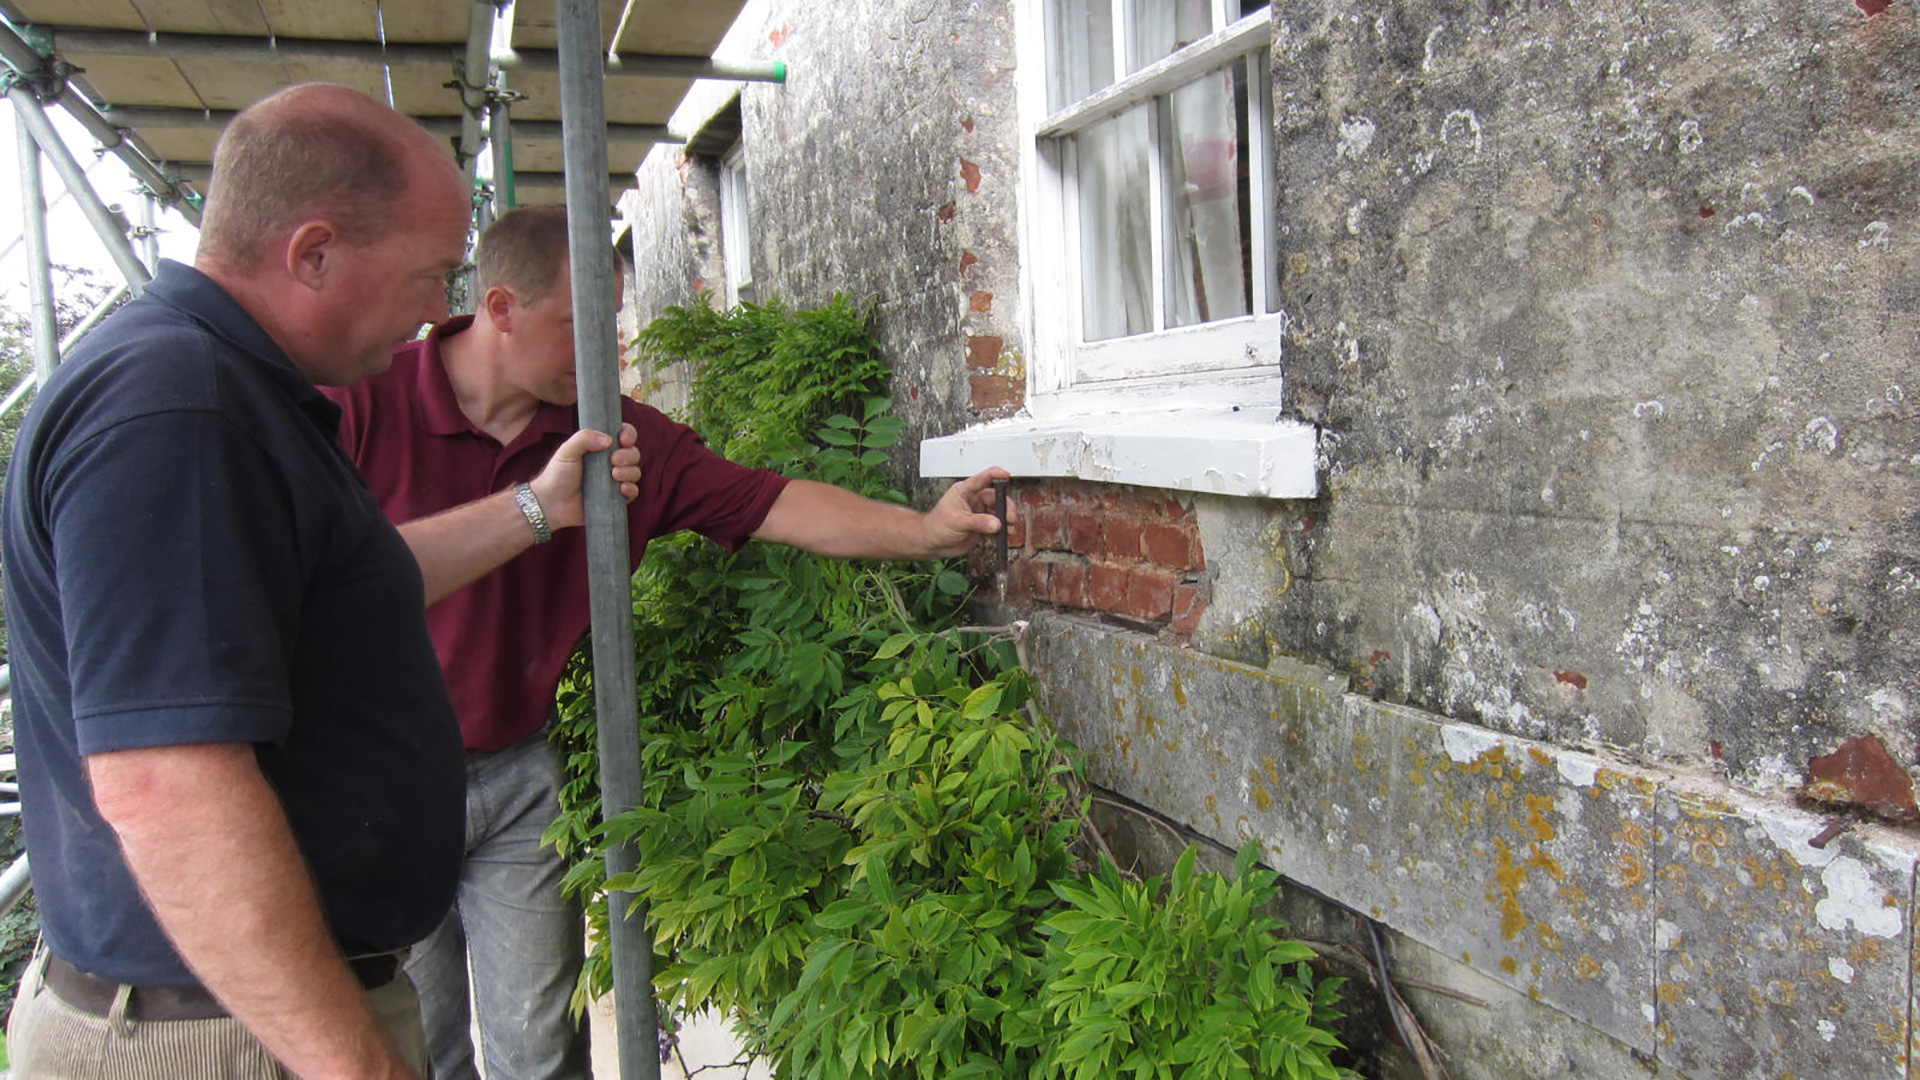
191,558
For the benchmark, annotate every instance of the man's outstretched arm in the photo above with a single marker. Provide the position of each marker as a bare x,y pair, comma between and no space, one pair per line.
832,521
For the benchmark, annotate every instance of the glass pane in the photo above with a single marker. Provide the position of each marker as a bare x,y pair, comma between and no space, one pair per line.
1208,254
1162,27
1116,233
1079,50
1243,8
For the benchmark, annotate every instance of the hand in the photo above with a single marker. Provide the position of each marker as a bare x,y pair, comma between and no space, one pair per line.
963,514
558,485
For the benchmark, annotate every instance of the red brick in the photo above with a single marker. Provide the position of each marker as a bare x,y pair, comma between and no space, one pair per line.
971,174
1083,532
1123,539
1150,593
1067,584
1171,546
1026,580
967,259
1048,529
982,300
1188,606
1016,525
946,211
1107,587
983,352
996,392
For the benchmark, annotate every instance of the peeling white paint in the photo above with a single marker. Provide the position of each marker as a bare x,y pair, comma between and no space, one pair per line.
1666,935
1838,967
1578,771
1793,834
1852,897
1465,745
1827,1030
1356,134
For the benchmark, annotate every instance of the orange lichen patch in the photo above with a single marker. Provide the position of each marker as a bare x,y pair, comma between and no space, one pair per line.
1540,757
1629,870
1538,807
1540,860
1587,967
1549,939
1262,799
1273,772
1416,777
1179,692
1670,993
1510,877
1705,853
1509,966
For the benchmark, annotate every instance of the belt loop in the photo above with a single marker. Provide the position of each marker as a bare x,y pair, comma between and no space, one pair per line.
117,1018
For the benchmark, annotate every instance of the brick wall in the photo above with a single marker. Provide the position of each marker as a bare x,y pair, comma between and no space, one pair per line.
1126,552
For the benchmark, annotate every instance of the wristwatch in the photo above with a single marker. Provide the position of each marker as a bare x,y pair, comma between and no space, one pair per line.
536,517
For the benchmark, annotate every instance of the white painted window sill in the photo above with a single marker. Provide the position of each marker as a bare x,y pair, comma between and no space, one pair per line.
1218,450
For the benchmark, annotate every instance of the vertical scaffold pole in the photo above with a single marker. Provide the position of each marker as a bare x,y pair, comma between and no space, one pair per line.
583,111
149,232
500,139
27,108
33,208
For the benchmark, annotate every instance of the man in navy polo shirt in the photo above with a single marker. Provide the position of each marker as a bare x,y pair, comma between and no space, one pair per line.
479,404
240,771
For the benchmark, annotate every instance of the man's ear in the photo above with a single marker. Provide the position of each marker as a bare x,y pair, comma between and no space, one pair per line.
312,252
498,305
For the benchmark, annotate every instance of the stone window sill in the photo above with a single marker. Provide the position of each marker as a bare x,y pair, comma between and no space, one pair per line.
1249,452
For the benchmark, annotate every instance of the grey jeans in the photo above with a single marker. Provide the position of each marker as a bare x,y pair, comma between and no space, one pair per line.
524,942
48,1039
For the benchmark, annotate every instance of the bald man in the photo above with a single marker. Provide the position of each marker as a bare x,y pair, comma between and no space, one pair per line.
241,774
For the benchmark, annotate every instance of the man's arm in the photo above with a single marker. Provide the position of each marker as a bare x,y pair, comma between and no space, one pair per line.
210,847
457,546
832,521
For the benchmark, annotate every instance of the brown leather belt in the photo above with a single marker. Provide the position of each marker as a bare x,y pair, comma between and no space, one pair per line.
92,994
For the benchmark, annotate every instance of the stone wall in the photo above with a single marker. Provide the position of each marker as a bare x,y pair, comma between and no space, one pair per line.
1605,311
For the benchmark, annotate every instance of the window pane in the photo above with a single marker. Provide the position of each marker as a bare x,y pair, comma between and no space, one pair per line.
1163,27
1079,50
1116,238
1208,254
1243,8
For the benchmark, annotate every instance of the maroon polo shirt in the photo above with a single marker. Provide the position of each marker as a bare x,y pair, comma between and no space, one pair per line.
504,639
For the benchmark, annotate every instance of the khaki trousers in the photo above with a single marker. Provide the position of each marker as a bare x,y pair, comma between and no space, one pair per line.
48,1039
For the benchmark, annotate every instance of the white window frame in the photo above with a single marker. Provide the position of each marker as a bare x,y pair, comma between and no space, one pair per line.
1172,408
736,249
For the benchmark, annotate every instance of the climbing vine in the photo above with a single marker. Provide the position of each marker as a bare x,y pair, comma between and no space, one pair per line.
858,838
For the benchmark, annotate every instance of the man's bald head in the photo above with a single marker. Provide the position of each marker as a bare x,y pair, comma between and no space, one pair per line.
313,151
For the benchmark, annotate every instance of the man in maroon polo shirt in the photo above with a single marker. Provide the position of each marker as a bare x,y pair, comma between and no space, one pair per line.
475,408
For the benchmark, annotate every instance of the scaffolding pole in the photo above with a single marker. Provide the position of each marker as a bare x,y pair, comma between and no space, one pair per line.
500,137
33,206
583,108
27,108
32,66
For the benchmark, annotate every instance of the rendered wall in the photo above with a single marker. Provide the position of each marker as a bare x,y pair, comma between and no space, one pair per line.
1607,311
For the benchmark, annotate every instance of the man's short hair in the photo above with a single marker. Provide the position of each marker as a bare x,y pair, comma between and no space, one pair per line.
277,166
524,251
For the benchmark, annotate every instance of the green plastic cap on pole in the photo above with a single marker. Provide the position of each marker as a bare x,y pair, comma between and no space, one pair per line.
780,71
